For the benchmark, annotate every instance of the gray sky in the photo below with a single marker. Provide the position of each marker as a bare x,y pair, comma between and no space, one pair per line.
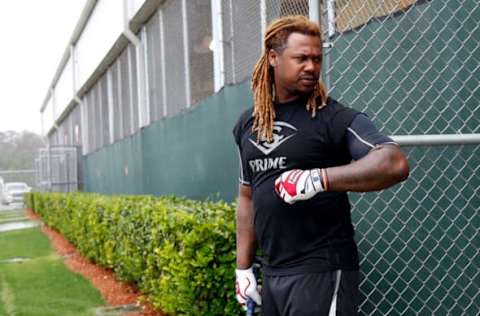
34,35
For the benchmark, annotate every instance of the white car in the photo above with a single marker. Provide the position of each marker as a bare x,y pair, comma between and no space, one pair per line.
14,192
2,184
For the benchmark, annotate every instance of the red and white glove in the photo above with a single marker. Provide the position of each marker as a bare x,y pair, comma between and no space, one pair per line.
298,185
246,287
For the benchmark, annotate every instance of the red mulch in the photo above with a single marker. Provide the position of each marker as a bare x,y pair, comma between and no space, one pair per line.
114,292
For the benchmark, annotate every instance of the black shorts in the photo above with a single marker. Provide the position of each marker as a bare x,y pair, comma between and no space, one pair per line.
327,293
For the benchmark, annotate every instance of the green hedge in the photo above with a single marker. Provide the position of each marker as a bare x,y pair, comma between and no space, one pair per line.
180,253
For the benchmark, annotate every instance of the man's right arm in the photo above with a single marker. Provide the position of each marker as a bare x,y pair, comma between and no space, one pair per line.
246,284
246,238
245,281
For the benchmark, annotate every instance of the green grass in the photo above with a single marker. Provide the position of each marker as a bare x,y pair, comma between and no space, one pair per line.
43,285
29,243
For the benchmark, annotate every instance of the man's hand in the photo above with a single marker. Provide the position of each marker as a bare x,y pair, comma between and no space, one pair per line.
246,287
298,185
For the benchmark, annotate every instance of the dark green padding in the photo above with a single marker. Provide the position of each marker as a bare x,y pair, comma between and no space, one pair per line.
191,154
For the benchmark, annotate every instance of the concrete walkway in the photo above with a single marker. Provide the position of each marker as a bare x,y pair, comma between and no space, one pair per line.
13,218
19,225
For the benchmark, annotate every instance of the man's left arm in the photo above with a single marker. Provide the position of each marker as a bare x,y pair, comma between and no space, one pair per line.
381,168
378,164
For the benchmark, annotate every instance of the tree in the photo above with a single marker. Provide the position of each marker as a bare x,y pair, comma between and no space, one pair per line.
18,150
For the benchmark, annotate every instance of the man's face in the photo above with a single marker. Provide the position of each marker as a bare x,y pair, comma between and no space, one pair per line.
297,68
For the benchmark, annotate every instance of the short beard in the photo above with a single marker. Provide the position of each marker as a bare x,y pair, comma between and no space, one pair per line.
302,94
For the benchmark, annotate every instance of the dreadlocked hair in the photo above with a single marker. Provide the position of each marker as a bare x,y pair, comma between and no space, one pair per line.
276,37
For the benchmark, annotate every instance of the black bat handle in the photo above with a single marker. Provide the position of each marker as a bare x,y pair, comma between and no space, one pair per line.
250,307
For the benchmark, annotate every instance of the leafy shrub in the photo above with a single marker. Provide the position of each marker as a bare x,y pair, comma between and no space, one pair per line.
179,252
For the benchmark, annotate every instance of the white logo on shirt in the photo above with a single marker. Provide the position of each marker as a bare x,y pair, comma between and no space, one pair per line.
268,163
282,131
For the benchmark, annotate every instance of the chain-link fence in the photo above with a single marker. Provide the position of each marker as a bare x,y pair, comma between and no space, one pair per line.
57,169
419,242
414,68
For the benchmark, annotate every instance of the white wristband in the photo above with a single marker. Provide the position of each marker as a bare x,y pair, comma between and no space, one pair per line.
317,180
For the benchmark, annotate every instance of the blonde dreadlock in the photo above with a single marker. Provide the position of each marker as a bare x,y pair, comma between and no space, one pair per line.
262,80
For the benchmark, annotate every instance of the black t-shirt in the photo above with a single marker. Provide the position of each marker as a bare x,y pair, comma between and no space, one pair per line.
309,236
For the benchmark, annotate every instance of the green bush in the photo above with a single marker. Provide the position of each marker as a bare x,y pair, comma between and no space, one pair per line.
180,253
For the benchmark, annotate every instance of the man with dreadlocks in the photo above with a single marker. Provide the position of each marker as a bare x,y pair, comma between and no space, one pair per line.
300,152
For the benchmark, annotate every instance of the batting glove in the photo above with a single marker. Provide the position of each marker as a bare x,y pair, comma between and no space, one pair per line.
298,185
246,287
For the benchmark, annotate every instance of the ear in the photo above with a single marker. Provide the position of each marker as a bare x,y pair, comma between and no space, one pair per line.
273,58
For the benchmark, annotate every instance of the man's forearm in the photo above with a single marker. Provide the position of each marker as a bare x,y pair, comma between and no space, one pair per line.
378,170
246,238
246,246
